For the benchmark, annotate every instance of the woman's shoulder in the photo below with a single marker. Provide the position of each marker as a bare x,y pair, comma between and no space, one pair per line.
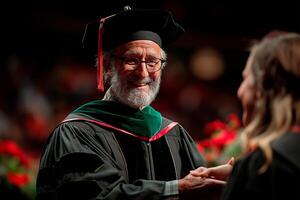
287,148
251,162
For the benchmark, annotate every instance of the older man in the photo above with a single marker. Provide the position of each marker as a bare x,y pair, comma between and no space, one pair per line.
120,147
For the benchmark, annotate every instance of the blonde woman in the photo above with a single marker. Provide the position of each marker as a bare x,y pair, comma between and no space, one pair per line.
270,95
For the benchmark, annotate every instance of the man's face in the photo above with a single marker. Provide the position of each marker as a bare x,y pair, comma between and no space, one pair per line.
135,87
246,92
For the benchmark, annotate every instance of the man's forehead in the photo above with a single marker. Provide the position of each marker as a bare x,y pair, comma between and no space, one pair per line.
139,47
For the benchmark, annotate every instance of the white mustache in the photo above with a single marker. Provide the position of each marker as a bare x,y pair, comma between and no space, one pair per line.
146,80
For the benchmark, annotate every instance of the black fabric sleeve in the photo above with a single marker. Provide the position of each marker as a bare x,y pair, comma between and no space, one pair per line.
189,146
78,164
279,182
184,151
246,182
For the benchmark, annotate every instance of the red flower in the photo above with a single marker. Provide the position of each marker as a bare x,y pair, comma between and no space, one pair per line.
200,147
18,179
234,121
9,147
205,143
221,134
223,138
216,125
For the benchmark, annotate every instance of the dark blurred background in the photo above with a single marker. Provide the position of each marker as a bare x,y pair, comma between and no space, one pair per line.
45,73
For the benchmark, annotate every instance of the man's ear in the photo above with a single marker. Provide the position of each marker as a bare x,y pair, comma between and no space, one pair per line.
107,65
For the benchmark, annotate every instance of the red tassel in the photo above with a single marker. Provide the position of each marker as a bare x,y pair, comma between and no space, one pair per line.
100,84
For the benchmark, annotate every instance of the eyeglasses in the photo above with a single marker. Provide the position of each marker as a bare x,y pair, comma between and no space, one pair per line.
152,64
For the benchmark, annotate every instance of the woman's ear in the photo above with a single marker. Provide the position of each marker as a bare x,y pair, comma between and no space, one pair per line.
258,94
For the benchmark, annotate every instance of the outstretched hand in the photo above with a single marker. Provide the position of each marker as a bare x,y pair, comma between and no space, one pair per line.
205,182
220,172
191,182
194,187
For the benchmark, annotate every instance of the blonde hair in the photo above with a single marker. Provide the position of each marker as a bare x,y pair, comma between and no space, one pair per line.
276,72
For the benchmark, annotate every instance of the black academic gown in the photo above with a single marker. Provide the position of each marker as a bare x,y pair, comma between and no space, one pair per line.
83,160
280,182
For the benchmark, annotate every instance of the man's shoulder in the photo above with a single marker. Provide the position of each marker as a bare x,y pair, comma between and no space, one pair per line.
166,120
75,125
177,129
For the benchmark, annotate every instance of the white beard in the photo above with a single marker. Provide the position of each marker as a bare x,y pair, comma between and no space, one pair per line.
134,97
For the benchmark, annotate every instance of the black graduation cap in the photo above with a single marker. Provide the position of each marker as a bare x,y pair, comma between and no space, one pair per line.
129,25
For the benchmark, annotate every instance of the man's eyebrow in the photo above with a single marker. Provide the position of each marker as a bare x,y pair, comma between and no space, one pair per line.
138,53
132,53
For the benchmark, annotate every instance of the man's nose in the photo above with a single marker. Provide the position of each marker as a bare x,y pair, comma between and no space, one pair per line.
142,70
